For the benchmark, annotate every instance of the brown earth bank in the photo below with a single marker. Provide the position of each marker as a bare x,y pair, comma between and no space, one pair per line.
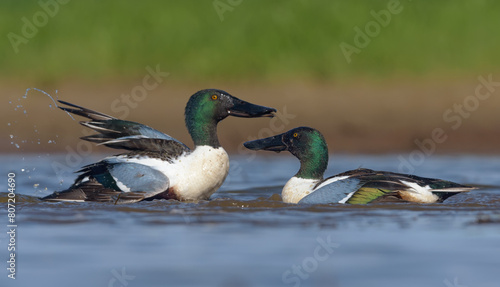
363,116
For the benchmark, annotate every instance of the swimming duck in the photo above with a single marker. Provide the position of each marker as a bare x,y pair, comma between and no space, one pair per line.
157,165
359,186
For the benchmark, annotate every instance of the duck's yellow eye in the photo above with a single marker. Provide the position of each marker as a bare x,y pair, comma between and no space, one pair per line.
295,135
214,97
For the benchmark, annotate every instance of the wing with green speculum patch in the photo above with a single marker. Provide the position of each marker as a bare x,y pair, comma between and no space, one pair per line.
382,185
366,195
375,186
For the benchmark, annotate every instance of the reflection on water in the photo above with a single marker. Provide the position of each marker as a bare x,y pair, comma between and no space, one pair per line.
245,236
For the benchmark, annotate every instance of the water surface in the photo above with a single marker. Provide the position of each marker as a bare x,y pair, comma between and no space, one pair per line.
245,236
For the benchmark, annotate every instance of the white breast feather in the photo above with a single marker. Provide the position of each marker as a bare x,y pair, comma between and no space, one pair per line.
297,188
195,175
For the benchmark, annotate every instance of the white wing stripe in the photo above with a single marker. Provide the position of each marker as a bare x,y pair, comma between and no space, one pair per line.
345,199
120,185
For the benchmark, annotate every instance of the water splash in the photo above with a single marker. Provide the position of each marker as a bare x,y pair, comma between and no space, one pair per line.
48,95
41,91
20,106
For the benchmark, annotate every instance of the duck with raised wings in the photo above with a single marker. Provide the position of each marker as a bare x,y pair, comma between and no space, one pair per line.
157,165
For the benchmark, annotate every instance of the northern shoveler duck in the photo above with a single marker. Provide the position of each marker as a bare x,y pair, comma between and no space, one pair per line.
358,186
157,165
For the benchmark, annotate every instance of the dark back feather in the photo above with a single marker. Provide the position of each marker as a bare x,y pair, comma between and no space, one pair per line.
121,134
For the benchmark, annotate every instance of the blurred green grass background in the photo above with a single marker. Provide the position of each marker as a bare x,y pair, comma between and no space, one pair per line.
257,40
279,53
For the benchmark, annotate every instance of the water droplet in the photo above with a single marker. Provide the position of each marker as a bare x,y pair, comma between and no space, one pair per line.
10,102
8,124
24,111
17,146
25,96
22,169
11,136
50,141
36,185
